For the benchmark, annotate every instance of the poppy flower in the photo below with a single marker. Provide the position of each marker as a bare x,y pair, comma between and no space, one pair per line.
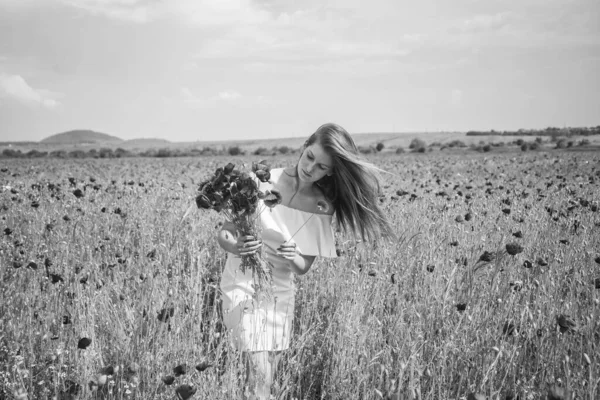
202,366
203,202
260,166
72,388
272,198
228,169
168,380
516,285
556,392
475,396
180,370
151,254
263,176
133,368
78,193
165,314
566,323
185,391
108,370
84,343
487,256
541,262
514,249
509,329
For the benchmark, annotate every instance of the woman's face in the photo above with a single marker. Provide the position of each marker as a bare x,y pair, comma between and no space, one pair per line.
314,163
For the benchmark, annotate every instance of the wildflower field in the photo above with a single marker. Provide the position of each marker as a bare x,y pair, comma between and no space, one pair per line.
108,285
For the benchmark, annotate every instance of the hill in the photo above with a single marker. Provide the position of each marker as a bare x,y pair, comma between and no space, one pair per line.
76,137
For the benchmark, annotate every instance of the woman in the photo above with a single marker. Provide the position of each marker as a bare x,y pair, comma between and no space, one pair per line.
329,178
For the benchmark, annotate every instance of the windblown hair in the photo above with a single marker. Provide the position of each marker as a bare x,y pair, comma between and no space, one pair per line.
354,186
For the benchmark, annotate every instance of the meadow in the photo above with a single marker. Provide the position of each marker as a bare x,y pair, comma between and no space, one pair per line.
491,291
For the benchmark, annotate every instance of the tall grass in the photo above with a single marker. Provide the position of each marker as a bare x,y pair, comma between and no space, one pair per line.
421,318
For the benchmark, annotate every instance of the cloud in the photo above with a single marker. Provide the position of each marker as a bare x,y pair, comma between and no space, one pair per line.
201,12
15,87
139,11
223,99
485,22
226,96
191,99
229,95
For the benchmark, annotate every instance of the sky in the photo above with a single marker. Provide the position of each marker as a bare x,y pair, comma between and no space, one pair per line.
195,70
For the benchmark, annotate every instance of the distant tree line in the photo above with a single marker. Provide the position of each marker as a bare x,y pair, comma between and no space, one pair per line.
550,131
155,152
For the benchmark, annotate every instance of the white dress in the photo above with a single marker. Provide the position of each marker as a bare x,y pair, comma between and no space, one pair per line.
267,325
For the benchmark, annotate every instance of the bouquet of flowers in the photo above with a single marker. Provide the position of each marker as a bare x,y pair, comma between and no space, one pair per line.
236,194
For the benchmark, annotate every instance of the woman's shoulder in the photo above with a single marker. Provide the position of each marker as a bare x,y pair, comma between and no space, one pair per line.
276,174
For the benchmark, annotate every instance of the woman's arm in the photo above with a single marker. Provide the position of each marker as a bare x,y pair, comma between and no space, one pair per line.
236,244
298,263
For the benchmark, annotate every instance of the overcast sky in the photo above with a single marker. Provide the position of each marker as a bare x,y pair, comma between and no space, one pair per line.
189,70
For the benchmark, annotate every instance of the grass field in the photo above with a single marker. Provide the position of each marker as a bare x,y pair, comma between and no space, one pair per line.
100,249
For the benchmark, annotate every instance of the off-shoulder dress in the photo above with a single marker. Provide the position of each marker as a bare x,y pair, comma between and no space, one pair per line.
266,324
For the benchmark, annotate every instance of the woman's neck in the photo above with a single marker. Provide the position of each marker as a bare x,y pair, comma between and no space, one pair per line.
299,185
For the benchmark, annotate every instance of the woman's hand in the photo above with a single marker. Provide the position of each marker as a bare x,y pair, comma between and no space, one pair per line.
287,251
247,245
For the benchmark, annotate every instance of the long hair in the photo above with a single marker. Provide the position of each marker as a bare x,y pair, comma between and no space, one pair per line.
354,186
